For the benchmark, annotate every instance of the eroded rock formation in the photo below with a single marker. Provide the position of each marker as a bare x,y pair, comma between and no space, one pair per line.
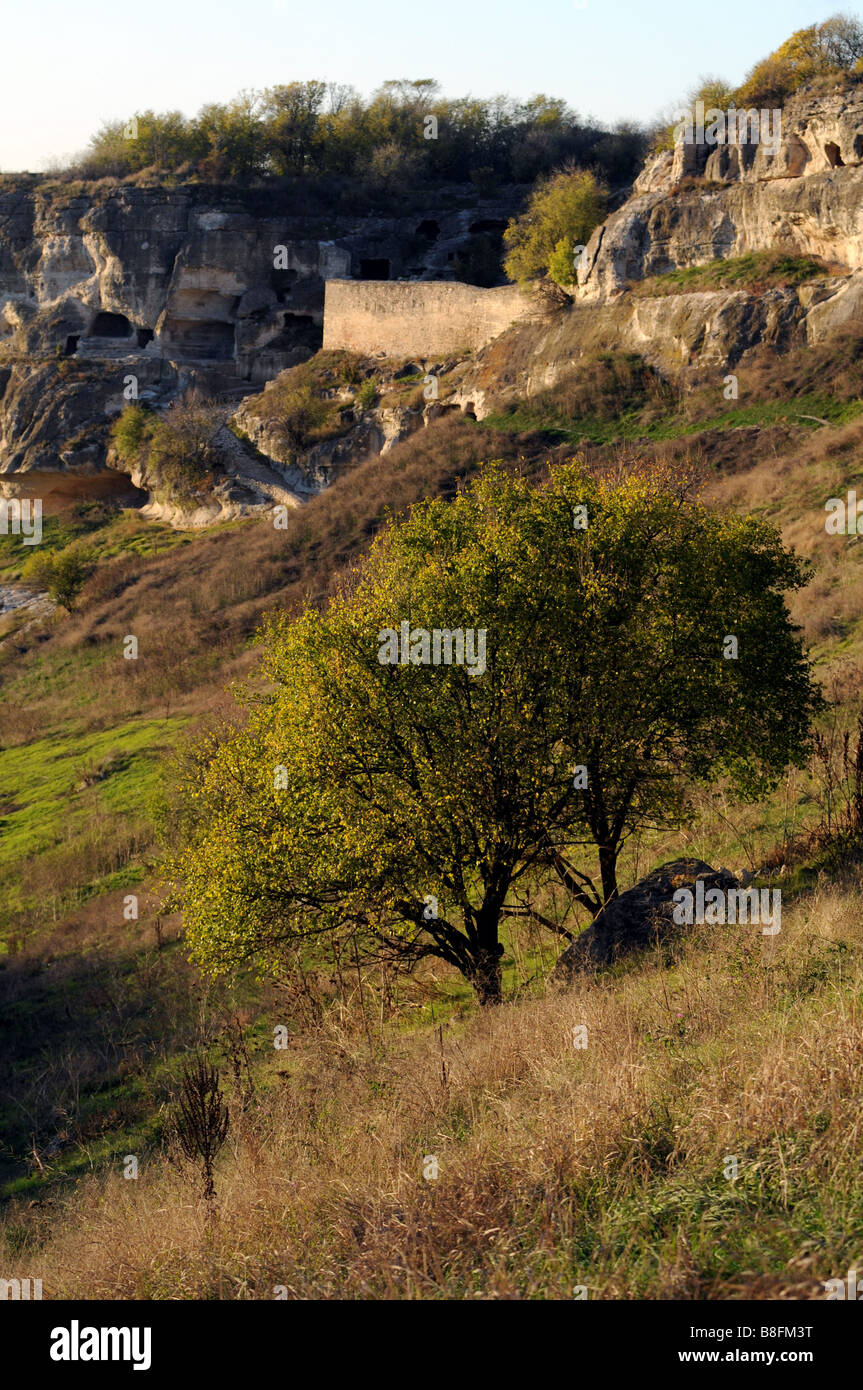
169,289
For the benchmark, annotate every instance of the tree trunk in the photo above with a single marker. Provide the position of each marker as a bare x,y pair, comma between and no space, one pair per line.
486,976
608,871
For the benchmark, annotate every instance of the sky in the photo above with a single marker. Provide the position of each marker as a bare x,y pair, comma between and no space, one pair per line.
69,65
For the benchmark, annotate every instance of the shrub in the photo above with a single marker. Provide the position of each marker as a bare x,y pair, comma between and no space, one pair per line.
63,574
130,430
201,1121
176,447
303,412
562,213
367,395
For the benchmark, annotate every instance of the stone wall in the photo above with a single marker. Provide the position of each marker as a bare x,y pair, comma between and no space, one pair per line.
421,319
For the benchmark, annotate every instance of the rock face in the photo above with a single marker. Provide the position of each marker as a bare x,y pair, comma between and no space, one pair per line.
695,205
125,293
638,918
706,330
203,276
156,290
802,196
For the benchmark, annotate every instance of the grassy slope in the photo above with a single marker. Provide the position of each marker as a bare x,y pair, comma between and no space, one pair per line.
602,1168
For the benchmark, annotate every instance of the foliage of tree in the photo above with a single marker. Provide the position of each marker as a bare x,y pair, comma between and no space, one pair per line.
822,50
401,808
562,213
177,448
62,573
405,128
834,46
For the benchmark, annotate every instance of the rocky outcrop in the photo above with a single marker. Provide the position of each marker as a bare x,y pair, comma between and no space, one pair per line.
804,196
643,916
313,467
364,432
243,484
168,288
122,293
705,331
204,276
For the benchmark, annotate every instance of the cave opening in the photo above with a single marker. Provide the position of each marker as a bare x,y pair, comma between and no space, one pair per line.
144,336
374,268
488,224
106,325
858,146
298,331
71,345
202,339
831,149
282,281
429,228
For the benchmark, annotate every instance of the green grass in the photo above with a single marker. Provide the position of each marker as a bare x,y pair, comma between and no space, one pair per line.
106,533
39,780
755,270
631,425
53,790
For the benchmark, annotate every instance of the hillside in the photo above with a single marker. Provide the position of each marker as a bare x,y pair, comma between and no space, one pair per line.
605,1168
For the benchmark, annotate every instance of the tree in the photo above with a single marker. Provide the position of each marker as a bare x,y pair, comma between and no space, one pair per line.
842,40
712,90
402,806
234,137
63,573
562,213
292,115
834,46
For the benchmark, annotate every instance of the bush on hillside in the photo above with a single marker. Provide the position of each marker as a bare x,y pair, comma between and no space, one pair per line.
63,573
561,215
177,449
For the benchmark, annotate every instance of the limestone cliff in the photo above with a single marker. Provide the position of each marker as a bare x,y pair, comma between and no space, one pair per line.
707,201
114,293
171,288
690,207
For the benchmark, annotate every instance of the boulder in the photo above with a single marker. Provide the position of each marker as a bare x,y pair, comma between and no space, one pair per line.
640,917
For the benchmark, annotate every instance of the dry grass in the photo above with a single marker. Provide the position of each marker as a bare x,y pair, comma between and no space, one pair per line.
557,1167
194,608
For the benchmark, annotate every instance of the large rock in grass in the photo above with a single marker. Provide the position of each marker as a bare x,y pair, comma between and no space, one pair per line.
642,916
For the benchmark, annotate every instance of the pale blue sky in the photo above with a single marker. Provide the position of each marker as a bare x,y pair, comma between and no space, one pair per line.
70,64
